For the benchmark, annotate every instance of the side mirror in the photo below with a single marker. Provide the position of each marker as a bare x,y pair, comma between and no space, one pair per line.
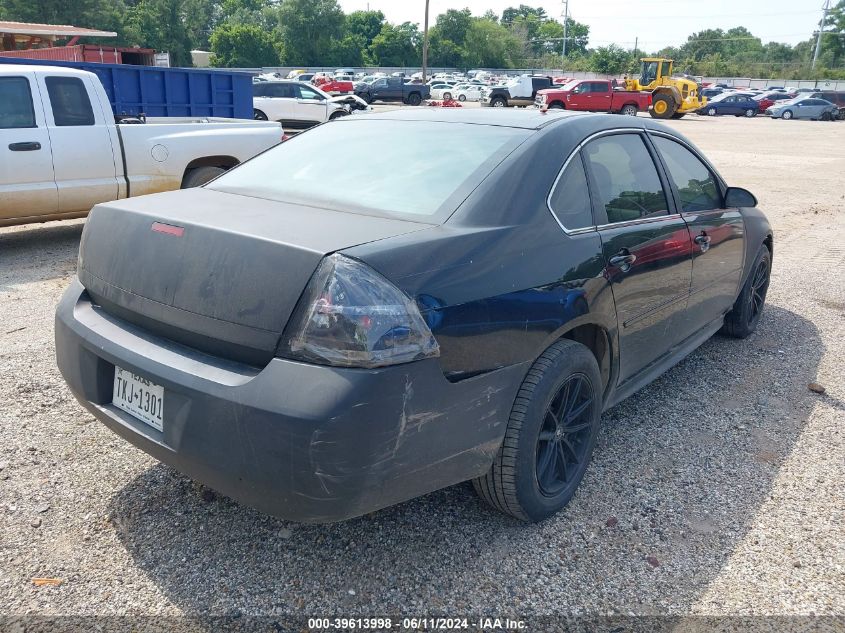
739,197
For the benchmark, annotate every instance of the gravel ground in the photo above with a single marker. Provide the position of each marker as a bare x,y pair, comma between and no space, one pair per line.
719,489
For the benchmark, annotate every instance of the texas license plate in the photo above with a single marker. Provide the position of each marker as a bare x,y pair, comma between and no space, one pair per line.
139,397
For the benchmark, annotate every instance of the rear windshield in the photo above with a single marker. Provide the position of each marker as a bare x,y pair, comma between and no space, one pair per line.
393,168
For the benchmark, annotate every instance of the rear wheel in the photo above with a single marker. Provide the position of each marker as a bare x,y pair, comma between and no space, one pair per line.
258,115
498,102
743,318
750,113
414,99
662,107
629,110
550,435
200,175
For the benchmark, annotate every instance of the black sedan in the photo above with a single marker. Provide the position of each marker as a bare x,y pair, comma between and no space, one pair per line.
320,339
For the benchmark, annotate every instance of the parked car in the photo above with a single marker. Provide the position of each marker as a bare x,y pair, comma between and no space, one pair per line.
334,86
768,99
442,91
805,108
393,89
593,95
836,97
468,92
320,352
61,151
731,103
519,91
294,104
711,92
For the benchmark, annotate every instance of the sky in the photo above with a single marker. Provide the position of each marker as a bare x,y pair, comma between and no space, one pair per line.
657,23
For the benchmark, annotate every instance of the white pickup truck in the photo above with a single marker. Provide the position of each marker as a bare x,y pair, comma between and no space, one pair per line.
61,151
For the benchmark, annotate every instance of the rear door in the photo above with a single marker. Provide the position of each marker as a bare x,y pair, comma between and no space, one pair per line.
83,158
718,248
600,96
646,248
27,182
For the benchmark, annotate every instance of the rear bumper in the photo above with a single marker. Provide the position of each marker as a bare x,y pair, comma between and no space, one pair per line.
302,442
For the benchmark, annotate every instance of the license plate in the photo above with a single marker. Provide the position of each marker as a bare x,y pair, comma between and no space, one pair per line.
139,397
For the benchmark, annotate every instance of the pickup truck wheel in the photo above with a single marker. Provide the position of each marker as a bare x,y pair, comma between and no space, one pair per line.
414,99
557,105
629,110
743,318
550,435
366,97
258,115
498,102
200,175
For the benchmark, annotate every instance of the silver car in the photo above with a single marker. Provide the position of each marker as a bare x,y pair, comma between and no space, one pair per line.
804,108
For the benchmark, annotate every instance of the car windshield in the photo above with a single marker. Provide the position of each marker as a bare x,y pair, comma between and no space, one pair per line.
570,84
419,181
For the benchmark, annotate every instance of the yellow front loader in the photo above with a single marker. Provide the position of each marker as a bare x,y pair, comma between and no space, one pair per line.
671,97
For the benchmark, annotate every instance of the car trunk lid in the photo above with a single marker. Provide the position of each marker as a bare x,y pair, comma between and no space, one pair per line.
219,272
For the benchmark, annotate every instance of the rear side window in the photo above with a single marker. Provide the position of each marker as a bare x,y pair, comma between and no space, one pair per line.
627,184
15,103
570,199
69,100
600,86
695,182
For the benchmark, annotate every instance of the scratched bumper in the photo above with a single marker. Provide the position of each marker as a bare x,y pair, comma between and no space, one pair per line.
302,442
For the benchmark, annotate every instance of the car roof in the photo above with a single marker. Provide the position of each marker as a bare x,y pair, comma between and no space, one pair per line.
31,68
507,117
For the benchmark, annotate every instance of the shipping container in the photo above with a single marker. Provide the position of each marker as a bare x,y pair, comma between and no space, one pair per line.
154,91
89,53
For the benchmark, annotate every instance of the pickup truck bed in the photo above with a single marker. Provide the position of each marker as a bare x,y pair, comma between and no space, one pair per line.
61,151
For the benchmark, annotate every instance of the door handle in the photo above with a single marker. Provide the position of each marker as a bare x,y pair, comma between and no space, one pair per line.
703,241
623,260
29,146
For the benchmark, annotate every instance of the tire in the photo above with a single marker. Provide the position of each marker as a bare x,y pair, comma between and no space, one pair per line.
366,97
414,99
557,105
337,115
787,114
712,112
827,116
258,115
534,441
447,96
743,318
199,176
629,110
462,98
498,102
679,115
662,107
750,113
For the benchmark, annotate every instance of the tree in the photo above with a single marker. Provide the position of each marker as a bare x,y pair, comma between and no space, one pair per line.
833,38
308,28
160,24
106,15
491,45
243,46
201,17
453,25
610,60
366,24
397,45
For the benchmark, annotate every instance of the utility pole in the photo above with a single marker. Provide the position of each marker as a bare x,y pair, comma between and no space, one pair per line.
425,44
825,9
565,20
636,42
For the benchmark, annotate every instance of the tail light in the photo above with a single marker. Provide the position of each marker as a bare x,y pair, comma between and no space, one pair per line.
351,316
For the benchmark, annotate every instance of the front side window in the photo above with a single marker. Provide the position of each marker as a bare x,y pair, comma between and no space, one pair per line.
15,103
570,199
69,100
626,180
696,184
306,93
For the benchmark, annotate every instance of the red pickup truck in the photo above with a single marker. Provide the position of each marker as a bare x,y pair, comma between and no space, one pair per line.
593,95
